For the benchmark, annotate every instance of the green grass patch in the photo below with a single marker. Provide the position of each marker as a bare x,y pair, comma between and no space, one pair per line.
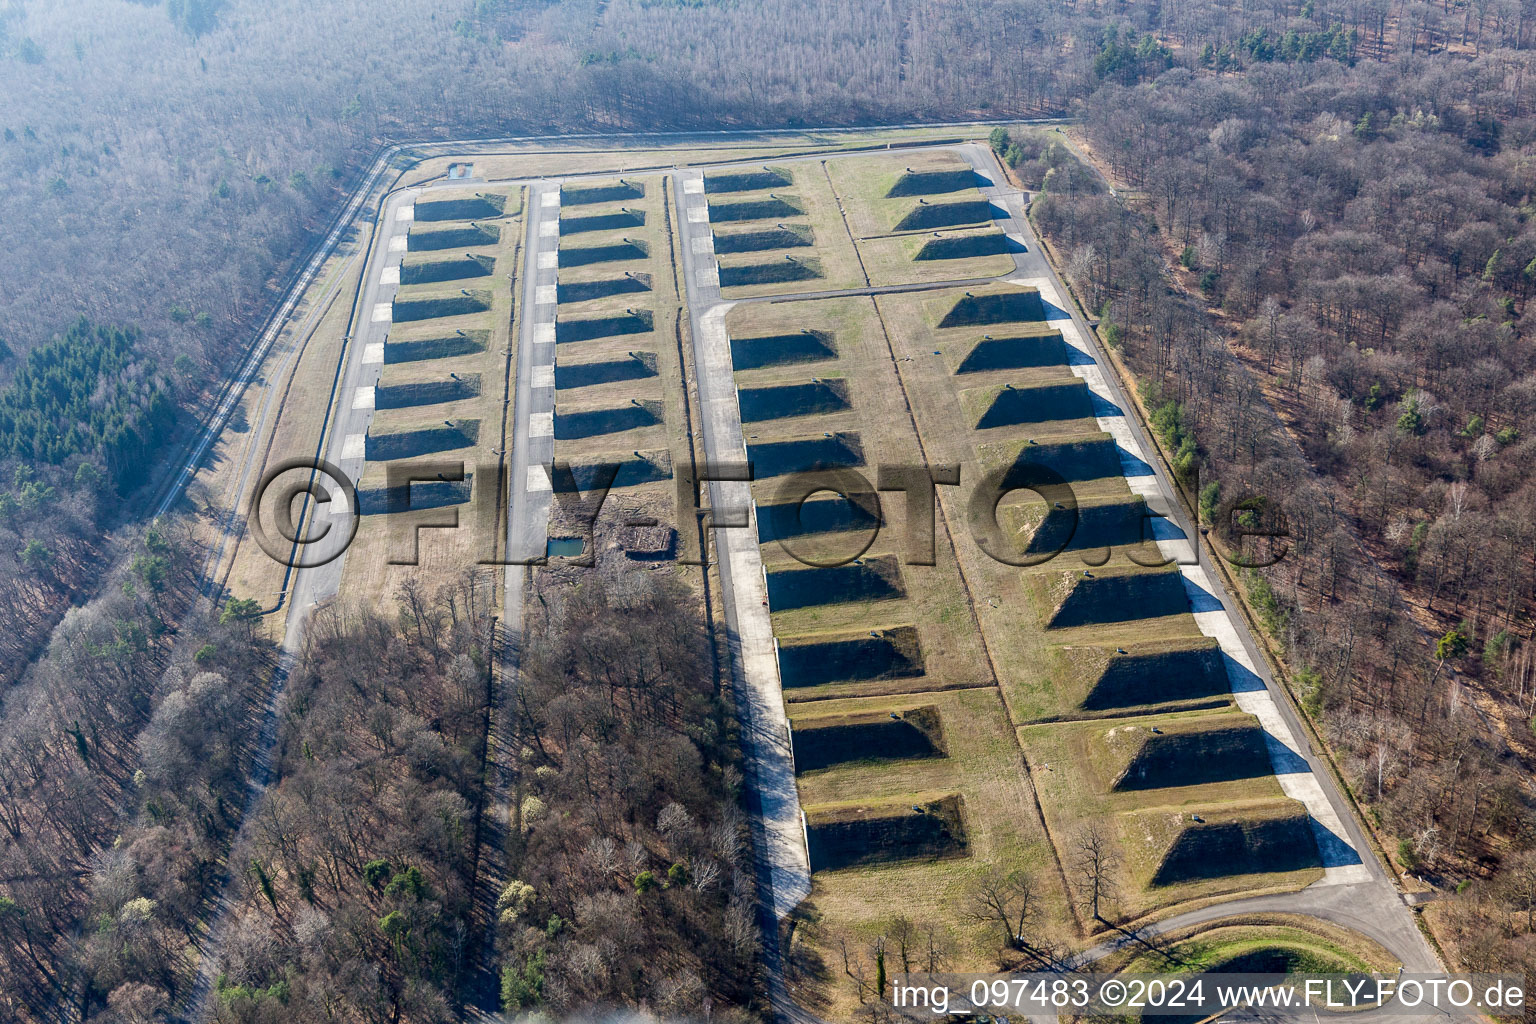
868,736
770,272
443,347
890,653
634,321
467,236
772,208
931,828
927,216
433,307
634,366
807,346
783,401
865,579
745,181
785,237
454,269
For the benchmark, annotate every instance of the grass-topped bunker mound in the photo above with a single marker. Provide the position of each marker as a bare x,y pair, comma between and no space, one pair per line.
589,195
774,207
782,237
399,394
1090,457
1191,671
817,514
1017,305
781,401
634,366
770,272
926,216
1175,753
959,247
892,653
586,255
453,269
808,346
480,206
1101,523
634,468
1259,840
802,455
1010,405
930,183
376,497
583,291
868,736
631,321
431,307
745,181
1112,595
864,579
463,237
411,441
632,415
1016,352
615,221
843,837
460,343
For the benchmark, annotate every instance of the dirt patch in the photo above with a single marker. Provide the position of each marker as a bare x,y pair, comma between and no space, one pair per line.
877,654
833,514
588,195
602,222
770,272
406,444
926,216
872,736
570,426
1132,679
789,237
457,269
775,207
1119,597
468,237
436,306
745,181
1016,404
803,455
1216,849
427,392
1184,754
586,255
634,321
634,366
808,346
1015,353
959,247
885,834
782,401
648,543
1022,305
412,349
480,207
864,579
928,183
583,291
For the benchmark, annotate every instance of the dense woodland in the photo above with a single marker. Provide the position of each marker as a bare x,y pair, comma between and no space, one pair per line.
1319,270
1318,262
